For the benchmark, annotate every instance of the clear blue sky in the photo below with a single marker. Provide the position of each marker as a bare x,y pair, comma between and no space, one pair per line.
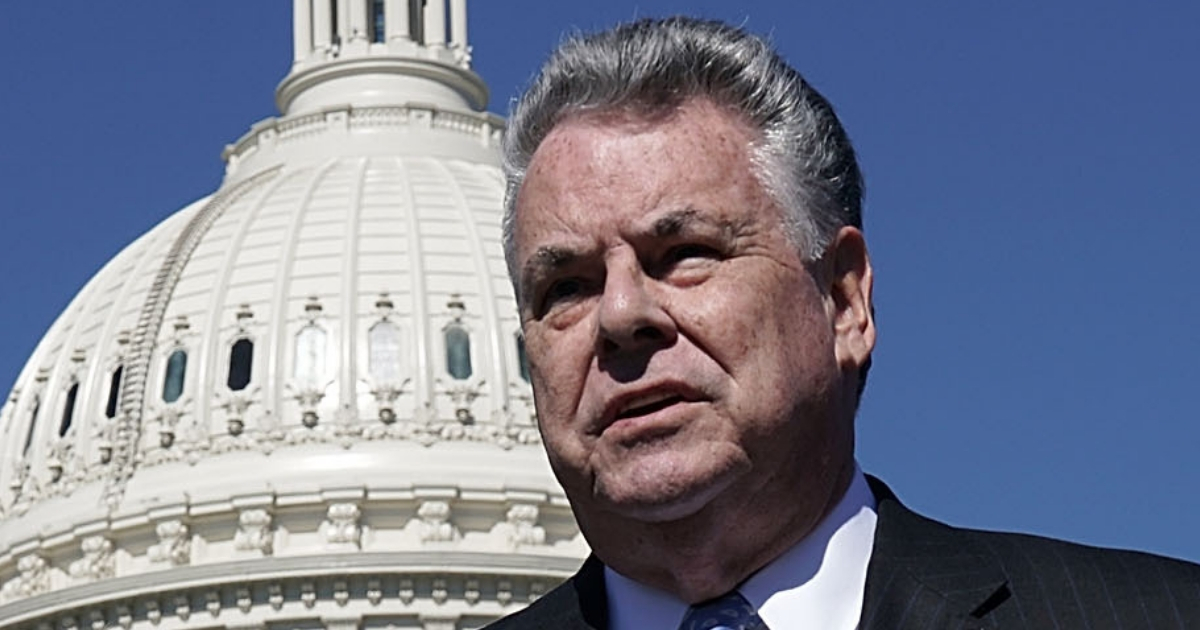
1032,179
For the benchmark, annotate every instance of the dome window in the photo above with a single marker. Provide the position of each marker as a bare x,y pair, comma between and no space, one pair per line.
114,393
33,414
383,345
309,368
458,352
241,363
458,342
522,358
378,25
68,410
384,341
173,379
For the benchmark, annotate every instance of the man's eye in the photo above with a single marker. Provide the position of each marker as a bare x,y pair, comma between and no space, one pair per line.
692,250
560,290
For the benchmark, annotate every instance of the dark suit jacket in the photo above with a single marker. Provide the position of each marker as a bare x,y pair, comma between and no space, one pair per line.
928,575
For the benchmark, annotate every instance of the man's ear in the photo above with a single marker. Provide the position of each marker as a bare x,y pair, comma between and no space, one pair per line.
849,284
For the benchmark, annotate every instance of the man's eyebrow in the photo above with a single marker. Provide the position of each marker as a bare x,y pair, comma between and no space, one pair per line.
546,259
677,222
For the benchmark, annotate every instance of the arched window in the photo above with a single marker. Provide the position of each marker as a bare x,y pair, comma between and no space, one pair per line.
458,351
68,410
378,26
173,380
33,414
522,358
241,363
114,392
383,340
309,368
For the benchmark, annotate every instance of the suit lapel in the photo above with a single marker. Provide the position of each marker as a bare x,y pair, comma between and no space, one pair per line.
582,602
924,574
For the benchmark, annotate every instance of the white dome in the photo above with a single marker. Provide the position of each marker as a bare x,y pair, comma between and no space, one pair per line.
309,381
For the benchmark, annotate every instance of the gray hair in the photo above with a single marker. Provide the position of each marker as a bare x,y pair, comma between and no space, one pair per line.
803,157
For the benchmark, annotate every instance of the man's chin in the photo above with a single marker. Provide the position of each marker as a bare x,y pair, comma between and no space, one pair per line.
661,502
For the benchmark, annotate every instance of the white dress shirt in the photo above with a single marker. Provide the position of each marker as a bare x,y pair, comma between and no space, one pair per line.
818,584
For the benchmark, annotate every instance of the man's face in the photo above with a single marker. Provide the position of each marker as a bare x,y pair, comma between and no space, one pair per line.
681,353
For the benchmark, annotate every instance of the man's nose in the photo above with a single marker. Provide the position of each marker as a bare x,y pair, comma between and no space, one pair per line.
631,315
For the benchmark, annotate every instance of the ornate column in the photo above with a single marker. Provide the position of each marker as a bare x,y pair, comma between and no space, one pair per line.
395,20
458,23
343,21
301,30
358,22
322,26
435,23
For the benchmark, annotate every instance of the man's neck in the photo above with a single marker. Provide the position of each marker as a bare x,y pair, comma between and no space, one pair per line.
712,551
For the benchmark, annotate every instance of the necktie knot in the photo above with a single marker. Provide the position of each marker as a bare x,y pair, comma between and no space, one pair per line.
727,612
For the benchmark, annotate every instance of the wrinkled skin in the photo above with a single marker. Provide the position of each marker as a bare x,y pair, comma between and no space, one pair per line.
694,377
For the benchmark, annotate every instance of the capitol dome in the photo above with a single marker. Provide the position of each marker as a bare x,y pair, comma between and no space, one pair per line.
300,401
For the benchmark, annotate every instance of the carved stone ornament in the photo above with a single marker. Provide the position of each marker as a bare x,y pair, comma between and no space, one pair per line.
183,607
471,592
174,544
408,591
504,592
212,602
124,616
341,524
33,577
97,563
244,599
432,523
520,526
254,531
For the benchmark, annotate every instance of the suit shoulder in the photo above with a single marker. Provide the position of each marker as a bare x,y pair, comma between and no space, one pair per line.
1027,553
578,602
1028,581
552,610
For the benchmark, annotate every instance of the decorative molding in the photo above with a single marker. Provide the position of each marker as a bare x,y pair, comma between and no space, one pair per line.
174,544
254,532
131,404
98,561
341,527
33,577
280,594
520,527
432,523
374,591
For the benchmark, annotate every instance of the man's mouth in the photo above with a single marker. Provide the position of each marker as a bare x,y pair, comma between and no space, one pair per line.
645,405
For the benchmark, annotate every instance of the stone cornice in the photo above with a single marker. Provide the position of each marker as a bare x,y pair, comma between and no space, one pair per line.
167,585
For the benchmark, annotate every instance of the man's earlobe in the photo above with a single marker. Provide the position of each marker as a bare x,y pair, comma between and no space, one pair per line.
850,284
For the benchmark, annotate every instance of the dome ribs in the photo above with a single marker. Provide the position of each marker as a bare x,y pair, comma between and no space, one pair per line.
277,351
145,335
423,388
348,344
209,366
491,330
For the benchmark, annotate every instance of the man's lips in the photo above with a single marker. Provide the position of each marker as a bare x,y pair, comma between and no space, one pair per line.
645,401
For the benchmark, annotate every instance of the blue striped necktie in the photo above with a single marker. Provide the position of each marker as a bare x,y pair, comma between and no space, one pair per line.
727,612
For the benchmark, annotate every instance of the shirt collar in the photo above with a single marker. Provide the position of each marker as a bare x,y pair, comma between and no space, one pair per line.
818,583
